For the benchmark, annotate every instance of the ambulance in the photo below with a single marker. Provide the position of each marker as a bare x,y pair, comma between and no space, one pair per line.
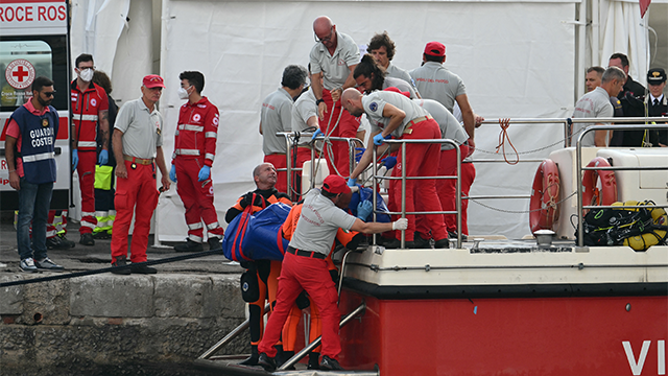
34,41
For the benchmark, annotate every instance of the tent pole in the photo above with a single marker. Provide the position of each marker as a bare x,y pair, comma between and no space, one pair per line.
595,23
580,66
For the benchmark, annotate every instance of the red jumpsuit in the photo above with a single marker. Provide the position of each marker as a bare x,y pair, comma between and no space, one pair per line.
86,106
447,189
347,127
194,147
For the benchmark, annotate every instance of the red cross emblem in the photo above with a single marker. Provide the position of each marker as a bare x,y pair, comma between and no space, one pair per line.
20,74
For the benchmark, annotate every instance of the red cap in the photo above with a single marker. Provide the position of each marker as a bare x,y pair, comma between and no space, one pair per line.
153,80
335,184
435,49
396,90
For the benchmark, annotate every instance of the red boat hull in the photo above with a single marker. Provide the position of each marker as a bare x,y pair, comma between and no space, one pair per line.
514,336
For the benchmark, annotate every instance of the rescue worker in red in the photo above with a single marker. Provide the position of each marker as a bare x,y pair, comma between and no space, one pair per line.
305,268
194,151
266,271
90,107
137,147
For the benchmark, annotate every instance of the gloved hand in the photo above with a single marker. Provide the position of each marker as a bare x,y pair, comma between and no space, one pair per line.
248,200
359,153
317,133
103,158
172,174
400,224
204,173
389,162
364,209
352,182
378,139
75,159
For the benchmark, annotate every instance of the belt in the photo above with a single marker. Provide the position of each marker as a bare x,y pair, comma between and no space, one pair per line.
407,130
309,254
140,161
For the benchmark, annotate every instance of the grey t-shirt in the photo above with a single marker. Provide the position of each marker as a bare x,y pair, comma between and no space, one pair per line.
396,72
434,81
276,116
335,68
450,127
399,84
142,129
375,102
595,104
303,110
319,221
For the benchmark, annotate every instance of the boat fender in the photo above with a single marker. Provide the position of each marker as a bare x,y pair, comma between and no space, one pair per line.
591,195
545,195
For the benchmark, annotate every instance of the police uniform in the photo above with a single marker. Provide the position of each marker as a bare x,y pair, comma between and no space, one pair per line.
335,70
86,105
195,147
421,159
276,116
142,135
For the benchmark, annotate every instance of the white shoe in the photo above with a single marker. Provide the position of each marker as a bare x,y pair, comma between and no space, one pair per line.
48,264
28,265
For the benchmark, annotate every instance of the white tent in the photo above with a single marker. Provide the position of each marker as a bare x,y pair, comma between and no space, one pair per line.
518,60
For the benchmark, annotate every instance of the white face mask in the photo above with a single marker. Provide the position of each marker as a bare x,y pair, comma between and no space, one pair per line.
183,93
86,74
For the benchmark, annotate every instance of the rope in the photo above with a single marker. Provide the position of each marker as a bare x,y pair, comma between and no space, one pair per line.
505,123
109,269
517,211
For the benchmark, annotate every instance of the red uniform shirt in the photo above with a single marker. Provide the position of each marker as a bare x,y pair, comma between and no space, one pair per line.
197,131
86,106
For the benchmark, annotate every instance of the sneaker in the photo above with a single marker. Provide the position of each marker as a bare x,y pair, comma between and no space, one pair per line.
47,263
64,240
189,246
214,244
143,269
443,243
267,362
329,364
87,239
28,265
121,261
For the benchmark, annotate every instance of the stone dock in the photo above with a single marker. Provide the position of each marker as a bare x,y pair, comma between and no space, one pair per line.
111,324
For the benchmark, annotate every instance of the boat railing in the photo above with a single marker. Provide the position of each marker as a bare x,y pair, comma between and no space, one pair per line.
292,141
628,127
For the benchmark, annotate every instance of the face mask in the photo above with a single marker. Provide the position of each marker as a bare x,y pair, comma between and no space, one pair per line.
86,74
183,93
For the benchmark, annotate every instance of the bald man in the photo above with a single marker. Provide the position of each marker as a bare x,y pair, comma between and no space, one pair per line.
392,114
333,59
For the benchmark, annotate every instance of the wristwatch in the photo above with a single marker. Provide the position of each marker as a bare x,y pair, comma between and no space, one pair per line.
318,101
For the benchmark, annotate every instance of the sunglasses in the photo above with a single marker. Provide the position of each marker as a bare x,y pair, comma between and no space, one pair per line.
49,93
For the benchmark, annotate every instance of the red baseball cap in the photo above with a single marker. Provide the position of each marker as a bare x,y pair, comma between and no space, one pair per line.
153,80
335,184
435,49
396,90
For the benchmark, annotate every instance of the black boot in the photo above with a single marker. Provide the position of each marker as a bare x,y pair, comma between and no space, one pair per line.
313,360
252,359
267,362
189,246
284,357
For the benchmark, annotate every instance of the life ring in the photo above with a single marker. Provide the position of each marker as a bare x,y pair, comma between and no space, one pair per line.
545,195
591,195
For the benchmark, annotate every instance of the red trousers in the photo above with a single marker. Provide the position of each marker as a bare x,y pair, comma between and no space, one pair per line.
447,189
421,160
347,127
310,274
278,160
197,197
86,170
137,191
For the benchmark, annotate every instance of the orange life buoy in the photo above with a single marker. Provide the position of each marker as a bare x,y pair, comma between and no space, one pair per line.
544,197
591,195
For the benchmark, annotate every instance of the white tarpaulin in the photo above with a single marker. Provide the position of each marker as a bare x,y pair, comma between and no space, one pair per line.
516,59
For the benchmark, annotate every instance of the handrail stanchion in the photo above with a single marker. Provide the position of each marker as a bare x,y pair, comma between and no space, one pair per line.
288,165
403,191
375,178
458,199
578,166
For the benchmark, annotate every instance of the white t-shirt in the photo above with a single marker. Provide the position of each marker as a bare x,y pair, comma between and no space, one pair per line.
595,104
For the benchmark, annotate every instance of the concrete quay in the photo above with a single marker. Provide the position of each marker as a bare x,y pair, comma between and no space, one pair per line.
111,324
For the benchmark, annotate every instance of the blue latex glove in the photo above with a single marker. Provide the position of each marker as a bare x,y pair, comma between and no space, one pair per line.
389,162
358,154
317,133
75,159
352,182
204,173
103,158
172,174
378,139
364,209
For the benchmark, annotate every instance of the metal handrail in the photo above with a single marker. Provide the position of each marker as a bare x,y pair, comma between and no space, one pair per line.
578,161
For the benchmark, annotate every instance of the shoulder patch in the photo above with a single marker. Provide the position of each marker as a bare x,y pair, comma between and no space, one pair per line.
373,106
